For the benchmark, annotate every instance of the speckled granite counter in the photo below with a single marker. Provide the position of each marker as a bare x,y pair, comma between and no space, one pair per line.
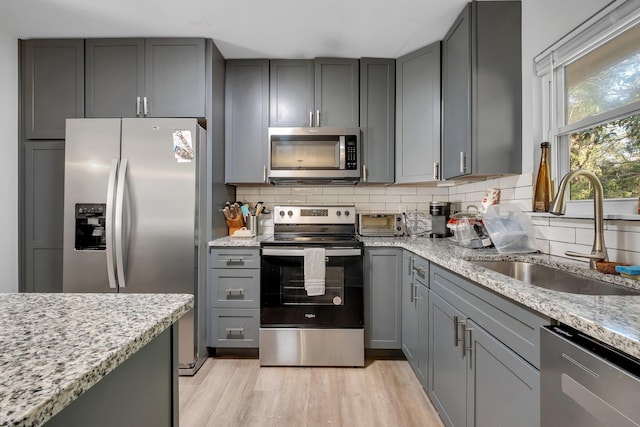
57,346
612,319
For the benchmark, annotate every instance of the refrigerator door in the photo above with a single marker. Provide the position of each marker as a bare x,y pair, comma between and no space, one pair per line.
92,152
160,235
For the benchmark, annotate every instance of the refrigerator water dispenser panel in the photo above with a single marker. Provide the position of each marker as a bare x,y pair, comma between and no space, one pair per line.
90,227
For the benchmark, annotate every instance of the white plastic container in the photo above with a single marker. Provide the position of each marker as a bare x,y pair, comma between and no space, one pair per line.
510,229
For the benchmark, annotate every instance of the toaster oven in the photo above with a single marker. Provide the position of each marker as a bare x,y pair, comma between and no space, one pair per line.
380,224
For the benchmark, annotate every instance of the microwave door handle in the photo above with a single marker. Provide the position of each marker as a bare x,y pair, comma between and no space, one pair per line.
342,152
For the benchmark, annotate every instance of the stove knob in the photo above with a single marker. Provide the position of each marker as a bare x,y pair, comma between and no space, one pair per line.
338,213
290,213
346,213
282,213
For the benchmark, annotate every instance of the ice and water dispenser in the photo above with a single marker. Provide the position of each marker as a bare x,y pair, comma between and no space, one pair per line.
90,227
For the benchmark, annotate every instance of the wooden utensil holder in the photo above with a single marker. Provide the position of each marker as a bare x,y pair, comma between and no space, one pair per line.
235,224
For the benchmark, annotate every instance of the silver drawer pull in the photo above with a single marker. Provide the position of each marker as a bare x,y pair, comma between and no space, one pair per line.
235,261
231,291
421,271
238,331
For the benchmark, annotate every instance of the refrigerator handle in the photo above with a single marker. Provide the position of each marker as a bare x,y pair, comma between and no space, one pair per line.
118,223
111,188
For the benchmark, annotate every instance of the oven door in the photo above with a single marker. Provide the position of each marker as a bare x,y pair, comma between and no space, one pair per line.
284,301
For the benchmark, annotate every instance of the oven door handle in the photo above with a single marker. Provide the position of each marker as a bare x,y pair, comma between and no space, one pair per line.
300,252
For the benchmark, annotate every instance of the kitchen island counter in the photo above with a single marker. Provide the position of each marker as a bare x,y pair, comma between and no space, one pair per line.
56,347
612,319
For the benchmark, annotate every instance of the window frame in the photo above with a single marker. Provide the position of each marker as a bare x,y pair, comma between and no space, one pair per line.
605,25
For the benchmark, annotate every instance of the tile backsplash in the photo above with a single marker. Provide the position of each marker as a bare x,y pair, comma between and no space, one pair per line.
555,235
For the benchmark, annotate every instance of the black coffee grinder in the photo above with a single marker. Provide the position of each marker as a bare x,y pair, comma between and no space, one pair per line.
440,212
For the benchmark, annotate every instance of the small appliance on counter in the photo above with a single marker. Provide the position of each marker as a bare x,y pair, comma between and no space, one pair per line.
380,225
440,212
416,223
468,230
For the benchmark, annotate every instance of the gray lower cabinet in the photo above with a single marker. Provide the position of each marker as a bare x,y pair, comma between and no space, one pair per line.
483,355
383,298
145,77
42,215
52,77
482,91
233,297
246,120
377,119
320,92
418,115
415,314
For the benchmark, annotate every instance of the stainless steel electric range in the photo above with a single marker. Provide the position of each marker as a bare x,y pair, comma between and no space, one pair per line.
311,289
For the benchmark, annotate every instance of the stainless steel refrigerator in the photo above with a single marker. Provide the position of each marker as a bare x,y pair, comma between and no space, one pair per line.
134,214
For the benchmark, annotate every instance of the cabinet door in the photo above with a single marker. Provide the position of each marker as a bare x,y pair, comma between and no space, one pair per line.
377,119
421,366
409,311
456,93
114,72
383,298
503,389
418,115
291,92
42,216
246,120
337,92
447,367
52,86
175,77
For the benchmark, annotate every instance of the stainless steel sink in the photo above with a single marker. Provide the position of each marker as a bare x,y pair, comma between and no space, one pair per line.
554,279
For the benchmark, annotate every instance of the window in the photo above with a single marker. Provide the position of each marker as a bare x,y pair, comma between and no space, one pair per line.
592,105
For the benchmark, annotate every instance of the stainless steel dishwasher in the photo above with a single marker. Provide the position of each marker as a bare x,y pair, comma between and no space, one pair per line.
585,382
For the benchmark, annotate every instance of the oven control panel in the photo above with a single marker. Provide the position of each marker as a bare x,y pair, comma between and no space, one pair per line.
314,215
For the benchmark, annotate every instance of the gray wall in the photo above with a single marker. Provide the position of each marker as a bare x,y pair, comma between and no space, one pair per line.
8,163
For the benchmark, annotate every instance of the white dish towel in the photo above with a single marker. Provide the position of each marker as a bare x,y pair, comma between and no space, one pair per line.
314,271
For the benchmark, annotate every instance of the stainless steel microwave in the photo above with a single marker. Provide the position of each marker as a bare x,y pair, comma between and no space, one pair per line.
314,155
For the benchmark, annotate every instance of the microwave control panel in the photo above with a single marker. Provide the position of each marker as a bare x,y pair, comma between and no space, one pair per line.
351,145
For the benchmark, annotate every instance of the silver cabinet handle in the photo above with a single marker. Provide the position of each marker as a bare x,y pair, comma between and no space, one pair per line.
364,173
463,161
108,226
231,261
468,348
410,265
145,104
318,118
436,170
411,297
232,331
421,271
310,119
455,331
264,173
239,291
137,106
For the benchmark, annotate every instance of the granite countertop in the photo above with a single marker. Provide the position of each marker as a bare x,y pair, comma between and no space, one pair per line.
614,320
57,346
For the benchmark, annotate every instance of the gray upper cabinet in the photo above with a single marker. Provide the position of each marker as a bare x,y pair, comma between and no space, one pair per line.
291,92
321,92
383,298
418,115
246,120
114,77
145,77
377,119
52,86
482,71
337,91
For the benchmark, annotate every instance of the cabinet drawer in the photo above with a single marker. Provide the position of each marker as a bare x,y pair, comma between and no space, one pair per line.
234,327
234,258
516,326
421,267
234,288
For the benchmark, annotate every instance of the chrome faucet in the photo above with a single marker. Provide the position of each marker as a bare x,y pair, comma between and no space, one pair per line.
559,207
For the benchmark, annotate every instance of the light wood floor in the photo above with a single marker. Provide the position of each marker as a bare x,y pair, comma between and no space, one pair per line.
238,392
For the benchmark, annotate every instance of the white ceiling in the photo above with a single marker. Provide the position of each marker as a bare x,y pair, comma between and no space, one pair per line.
245,28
